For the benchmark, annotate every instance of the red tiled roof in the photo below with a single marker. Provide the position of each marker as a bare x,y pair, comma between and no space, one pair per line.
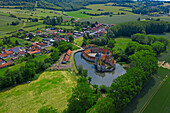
8,52
33,52
41,44
4,65
68,52
4,55
66,58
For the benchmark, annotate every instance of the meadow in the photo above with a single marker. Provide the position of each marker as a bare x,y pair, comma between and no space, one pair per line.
78,13
121,43
79,41
115,9
6,19
51,88
120,18
38,13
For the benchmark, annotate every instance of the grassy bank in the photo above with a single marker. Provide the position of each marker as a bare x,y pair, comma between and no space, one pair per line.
51,88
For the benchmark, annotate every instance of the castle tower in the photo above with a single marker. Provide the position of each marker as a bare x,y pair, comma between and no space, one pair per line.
97,56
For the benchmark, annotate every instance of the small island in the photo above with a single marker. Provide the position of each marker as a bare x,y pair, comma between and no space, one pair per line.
102,58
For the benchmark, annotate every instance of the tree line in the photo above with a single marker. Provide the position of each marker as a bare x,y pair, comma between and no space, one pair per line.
130,28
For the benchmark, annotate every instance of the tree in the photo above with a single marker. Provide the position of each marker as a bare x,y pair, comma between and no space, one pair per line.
131,47
105,105
140,38
89,79
16,42
111,43
151,39
83,97
85,73
47,109
80,69
55,55
71,38
158,47
163,40
110,34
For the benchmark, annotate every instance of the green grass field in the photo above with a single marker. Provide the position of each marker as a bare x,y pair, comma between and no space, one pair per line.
38,13
121,43
79,41
160,103
51,88
78,13
120,18
114,9
6,19
138,102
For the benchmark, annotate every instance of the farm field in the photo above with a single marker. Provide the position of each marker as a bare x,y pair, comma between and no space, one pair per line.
160,103
138,102
38,13
78,13
120,19
115,9
51,88
6,19
79,41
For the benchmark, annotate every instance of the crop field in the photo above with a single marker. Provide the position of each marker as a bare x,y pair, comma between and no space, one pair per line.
160,103
121,43
78,13
115,9
138,102
120,18
79,41
38,13
6,19
51,88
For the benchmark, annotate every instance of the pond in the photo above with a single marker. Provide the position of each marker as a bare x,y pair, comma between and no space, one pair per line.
99,78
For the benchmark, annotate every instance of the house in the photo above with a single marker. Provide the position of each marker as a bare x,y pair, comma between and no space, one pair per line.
6,54
35,51
15,49
68,34
5,65
66,57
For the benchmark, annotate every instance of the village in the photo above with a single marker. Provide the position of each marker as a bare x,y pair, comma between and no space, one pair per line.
9,56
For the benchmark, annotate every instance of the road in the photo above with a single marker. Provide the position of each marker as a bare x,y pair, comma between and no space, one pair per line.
59,66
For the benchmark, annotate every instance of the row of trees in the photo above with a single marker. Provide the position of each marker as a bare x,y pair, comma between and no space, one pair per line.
53,21
130,28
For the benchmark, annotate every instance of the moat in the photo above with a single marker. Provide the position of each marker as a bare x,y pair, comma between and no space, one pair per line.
99,78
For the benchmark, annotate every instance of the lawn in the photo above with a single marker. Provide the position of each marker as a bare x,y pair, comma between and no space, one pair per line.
79,41
51,88
160,103
121,43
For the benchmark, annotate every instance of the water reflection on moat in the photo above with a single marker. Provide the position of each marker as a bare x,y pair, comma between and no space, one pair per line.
99,78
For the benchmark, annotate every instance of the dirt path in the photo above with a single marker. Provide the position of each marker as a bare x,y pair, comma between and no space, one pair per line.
23,26
163,64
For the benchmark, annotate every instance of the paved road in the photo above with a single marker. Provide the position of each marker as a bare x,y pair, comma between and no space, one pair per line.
59,65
